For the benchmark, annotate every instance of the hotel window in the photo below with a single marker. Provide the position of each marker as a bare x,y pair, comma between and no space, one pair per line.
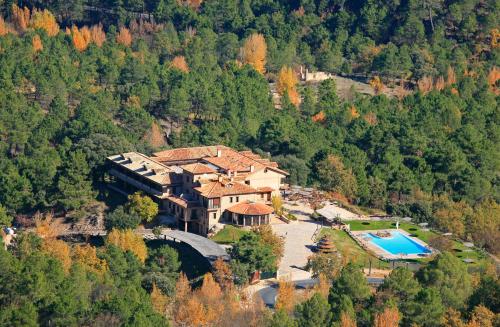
215,215
237,199
231,199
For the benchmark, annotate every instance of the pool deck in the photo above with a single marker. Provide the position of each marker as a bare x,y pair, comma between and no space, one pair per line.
381,253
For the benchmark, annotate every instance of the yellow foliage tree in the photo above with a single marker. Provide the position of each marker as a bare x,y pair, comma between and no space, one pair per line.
44,226
180,63
59,250
377,85
268,237
86,255
37,44
97,34
45,20
495,38
124,37
191,313
287,83
440,84
127,240
87,36
159,300
254,52
285,299
323,286
387,318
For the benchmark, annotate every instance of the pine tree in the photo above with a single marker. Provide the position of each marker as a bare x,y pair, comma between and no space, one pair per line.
73,184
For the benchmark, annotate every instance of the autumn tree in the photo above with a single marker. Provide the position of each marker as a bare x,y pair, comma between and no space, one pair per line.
425,84
333,176
36,43
327,264
287,83
286,297
277,203
377,85
440,83
20,18
268,237
451,216
179,62
482,316
210,290
86,255
222,273
44,19
59,250
254,52
493,78
143,206
127,240
451,77
4,29
159,301
346,320
387,318
98,35
124,37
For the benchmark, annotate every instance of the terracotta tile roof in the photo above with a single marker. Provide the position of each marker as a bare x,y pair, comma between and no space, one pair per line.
218,189
251,209
180,154
265,189
198,169
220,156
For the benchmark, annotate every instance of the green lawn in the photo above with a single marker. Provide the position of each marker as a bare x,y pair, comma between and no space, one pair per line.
229,234
350,249
458,247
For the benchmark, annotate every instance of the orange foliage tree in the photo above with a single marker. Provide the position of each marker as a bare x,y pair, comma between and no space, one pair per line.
124,37
493,78
80,41
346,320
287,82
159,300
286,296
45,20
4,29
451,77
254,52
425,84
387,318
20,18
223,274
127,240
440,84
320,117
353,112
482,316
86,255
97,34
37,44
371,118
377,85
180,63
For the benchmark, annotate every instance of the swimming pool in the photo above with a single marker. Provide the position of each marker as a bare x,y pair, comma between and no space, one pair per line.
397,244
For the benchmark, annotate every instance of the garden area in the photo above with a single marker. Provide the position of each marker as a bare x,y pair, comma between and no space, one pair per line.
229,235
348,247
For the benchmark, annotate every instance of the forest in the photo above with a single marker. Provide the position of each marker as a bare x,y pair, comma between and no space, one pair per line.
81,80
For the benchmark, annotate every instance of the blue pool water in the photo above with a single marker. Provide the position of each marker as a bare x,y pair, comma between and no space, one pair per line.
397,244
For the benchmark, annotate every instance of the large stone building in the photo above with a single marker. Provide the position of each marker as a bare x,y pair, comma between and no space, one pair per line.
202,186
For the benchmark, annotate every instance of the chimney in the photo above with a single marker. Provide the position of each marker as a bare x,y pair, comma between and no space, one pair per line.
252,168
219,153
